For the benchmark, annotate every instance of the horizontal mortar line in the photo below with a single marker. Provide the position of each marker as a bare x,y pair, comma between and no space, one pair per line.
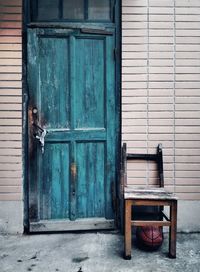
11,36
14,58
10,28
9,193
191,81
137,6
134,43
17,103
186,36
11,13
150,51
134,21
12,125
141,66
135,36
13,133
134,59
8,51
10,171
9,185
159,36
10,65
10,73
12,95
11,148
146,73
184,14
194,21
188,51
125,81
10,43
177,43
18,163
152,66
10,88
190,28
177,58
187,44
10,6
152,13
10,20
146,43
10,58
18,156
145,58
143,28
10,118
192,66
190,163
183,6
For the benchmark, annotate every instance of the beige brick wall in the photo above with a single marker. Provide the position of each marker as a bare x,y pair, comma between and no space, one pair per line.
10,100
161,92
161,89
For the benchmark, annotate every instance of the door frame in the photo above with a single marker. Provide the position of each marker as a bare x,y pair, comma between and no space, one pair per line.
25,102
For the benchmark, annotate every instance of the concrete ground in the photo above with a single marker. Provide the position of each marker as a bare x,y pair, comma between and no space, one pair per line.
93,252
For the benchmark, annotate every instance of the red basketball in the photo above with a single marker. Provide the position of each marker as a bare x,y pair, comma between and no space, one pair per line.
149,237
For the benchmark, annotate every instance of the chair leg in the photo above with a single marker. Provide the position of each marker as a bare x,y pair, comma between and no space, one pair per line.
172,230
127,234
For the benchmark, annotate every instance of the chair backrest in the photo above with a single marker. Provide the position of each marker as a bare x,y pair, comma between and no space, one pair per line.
157,158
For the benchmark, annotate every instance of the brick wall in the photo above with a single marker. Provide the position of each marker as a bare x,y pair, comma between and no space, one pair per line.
10,100
161,90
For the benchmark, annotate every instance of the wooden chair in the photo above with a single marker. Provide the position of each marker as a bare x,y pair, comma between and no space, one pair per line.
148,197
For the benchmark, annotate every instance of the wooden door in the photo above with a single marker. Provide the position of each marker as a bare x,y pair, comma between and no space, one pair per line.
71,80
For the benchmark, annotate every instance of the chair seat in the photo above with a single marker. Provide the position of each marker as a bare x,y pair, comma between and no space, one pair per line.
131,192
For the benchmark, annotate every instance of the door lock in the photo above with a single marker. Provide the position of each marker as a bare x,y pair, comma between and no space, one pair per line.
40,135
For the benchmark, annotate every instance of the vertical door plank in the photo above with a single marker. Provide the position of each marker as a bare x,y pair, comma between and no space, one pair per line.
54,81
111,124
89,95
54,181
91,180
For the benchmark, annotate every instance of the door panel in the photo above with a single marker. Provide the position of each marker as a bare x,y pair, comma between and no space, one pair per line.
90,180
54,181
71,79
90,97
54,81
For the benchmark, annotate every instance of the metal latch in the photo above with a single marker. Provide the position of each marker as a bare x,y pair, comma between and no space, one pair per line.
40,135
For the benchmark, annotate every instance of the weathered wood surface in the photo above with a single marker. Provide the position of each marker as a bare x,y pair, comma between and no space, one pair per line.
71,80
171,223
146,193
67,225
141,223
173,230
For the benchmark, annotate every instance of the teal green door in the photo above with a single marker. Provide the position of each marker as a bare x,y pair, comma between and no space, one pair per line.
72,97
